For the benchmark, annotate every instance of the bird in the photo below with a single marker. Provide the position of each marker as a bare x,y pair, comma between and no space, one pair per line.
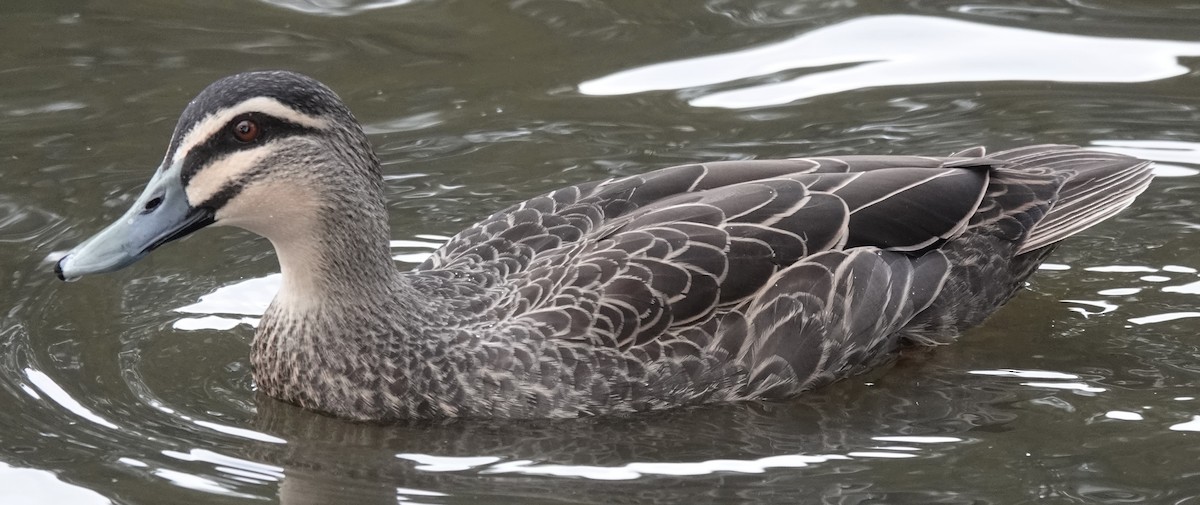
722,281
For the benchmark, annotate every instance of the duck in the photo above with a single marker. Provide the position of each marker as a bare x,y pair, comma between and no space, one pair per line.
725,281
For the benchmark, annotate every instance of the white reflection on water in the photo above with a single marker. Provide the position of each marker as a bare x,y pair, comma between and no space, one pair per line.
1121,269
1025,374
1193,425
1179,269
636,470
1183,281
1123,415
60,396
1119,291
430,463
1162,318
1191,288
1187,285
239,432
913,439
899,50
1101,306
1072,381
335,7
197,482
261,472
27,485
238,469
1073,386
1160,151
249,297
252,296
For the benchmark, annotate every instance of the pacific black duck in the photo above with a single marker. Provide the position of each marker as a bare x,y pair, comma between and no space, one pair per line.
698,283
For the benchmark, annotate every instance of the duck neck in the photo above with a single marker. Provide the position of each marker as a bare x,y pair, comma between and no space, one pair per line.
333,246
345,260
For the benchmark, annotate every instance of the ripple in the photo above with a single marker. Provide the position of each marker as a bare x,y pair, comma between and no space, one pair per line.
22,222
1164,317
1158,276
431,463
1119,291
1070,381
26,485
1191,288
240,432
335,7
249,297
60,396
1193,425
1122,269
1123,415
1101,306
260,471
638,470
48,108
1025,374
896,50
1073,386
486,465
197,482
1160,151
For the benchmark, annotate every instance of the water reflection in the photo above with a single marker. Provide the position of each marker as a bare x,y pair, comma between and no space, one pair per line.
39,486
468,459
336,7
899,50
1165,153
309,458
58,395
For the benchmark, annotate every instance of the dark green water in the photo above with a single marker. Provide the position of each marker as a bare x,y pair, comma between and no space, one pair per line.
1083,390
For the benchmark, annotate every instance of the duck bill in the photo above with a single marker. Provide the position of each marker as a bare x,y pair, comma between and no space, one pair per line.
161,214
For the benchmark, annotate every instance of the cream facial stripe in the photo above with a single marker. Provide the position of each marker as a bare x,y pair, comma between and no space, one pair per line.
213,123
224,171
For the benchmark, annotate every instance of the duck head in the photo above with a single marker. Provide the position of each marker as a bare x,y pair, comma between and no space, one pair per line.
254,150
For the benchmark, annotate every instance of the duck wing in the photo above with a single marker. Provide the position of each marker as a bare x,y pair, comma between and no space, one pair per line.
636,262
507,240
760,279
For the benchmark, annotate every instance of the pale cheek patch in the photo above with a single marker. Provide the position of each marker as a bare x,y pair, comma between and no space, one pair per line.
213,123
231,169
284,213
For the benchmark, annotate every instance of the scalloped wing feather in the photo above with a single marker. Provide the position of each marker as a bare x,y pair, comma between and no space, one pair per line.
789,273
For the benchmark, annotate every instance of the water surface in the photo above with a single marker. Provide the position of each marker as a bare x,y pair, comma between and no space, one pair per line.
135,387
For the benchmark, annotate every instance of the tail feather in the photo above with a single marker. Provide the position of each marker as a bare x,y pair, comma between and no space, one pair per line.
1038,197
1095,186
1096,192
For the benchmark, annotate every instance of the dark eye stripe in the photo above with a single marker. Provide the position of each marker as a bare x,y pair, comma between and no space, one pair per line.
224,142
220,198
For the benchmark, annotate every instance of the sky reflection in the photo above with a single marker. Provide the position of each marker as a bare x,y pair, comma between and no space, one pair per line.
899,50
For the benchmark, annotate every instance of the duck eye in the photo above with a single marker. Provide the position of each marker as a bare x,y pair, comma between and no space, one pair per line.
246,130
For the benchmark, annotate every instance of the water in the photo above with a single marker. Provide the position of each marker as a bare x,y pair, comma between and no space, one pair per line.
135,387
